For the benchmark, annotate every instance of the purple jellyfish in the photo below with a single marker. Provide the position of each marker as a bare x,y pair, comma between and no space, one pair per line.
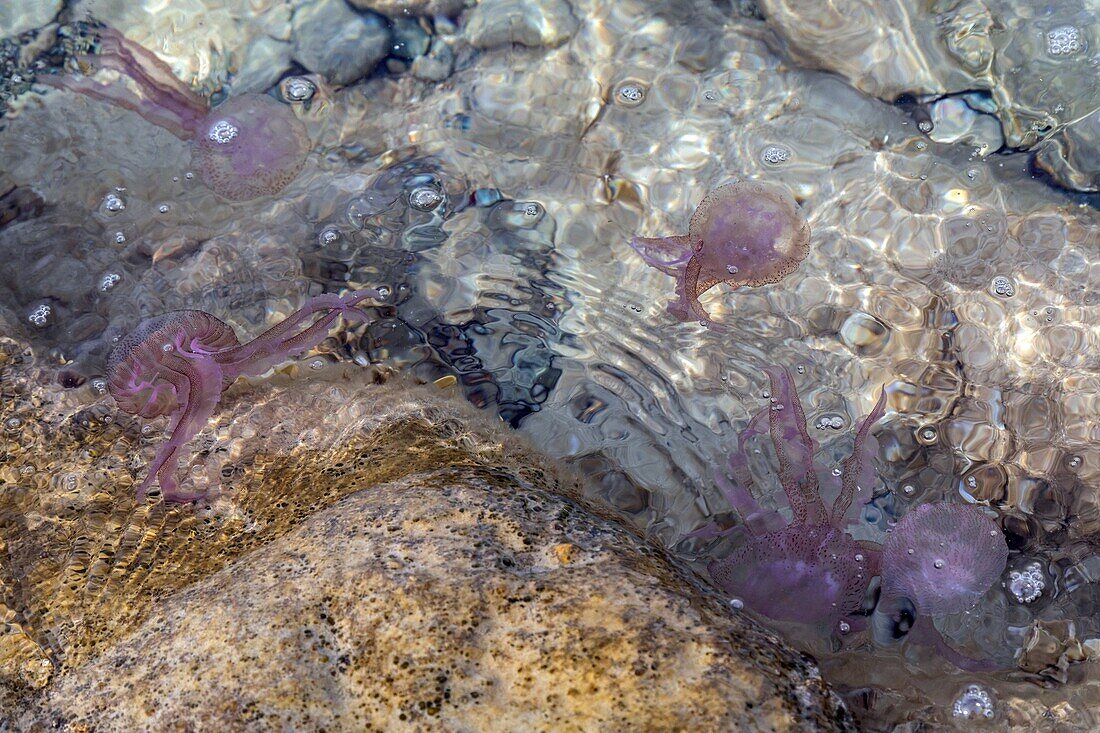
809,570
942,558
248,147
742,233
179,363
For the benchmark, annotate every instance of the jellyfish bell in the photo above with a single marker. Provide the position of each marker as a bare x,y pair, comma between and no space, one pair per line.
743,233
249,146
944,557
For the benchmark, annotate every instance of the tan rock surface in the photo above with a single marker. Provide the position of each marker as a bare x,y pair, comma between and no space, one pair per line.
470,593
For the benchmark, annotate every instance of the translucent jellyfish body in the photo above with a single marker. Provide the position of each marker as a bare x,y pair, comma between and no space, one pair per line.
940,559
742,233
943,557
809,570
178,364
248,147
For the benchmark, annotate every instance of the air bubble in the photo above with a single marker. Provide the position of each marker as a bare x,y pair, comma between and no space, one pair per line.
297,89
120,238
99,386
775,155
1065,40
938,564
1074,462
974,702
109,281
1003,286
328,235
316,364
425,199
737,603
113,203
925,126
163,208
844,627
927,435
13,424
630,94
222,132
1026,585
732,269
41,316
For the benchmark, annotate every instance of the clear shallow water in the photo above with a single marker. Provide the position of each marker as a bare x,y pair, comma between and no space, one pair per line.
944,271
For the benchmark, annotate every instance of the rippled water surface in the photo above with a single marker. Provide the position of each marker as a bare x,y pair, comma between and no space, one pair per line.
946,163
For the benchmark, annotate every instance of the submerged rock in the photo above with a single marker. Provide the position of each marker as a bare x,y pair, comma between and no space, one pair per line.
1036,62
534,23
413,566
333,40
405,8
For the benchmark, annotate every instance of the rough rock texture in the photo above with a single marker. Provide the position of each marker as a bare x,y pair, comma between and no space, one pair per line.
1036,61
333,40
205,41
534,23
401,8
17,17
471,593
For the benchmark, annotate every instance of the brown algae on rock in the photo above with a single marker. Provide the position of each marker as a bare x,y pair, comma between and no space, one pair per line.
444,606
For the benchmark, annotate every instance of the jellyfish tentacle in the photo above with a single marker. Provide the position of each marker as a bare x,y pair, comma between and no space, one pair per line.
273,339
667,254
795,449
925,633
857,470
152,75
119,96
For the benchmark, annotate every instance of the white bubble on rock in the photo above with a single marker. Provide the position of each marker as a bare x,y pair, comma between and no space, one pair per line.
974,702
1065,40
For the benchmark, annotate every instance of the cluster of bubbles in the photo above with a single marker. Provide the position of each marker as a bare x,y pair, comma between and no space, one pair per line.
630,94
1003,287
775,154
829,422
113,203
1026,585
1065,40
108,281
222,132
40,316
974,702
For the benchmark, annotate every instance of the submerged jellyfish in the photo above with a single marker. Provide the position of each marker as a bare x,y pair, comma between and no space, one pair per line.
179,363
809,570
742,234
250,146
941,558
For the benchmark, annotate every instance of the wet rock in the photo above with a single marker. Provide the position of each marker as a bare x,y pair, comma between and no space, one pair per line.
1035,62
333,40
437,64
1073,157
1050,648
205,43
19,17
534,23
409,39
473,590
404,8
955,120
